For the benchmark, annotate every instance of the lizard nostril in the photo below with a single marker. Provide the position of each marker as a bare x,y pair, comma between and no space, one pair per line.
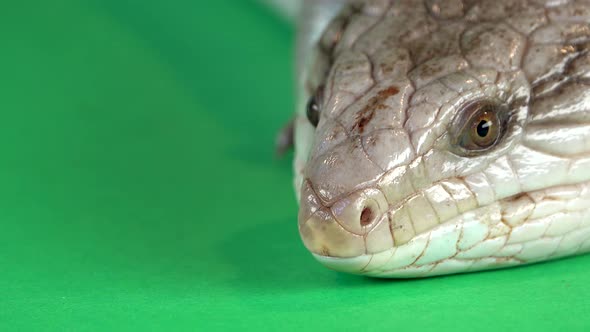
366,217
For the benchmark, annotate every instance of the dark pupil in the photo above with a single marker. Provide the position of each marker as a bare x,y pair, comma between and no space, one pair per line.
483,128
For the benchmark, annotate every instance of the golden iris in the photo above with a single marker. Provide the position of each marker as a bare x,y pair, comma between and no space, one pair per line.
481,126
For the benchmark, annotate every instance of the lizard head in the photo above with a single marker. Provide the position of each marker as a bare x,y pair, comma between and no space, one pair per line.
447,136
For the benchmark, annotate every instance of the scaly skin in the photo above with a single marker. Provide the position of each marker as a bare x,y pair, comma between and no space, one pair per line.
384,189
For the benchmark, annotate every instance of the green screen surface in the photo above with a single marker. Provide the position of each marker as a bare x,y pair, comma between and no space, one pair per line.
139,189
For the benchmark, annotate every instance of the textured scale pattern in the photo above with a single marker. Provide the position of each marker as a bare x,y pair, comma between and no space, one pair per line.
552,223
394,75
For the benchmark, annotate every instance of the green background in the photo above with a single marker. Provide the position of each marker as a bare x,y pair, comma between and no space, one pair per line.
139,189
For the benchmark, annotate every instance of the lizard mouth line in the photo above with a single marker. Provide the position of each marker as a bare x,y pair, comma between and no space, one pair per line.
546,220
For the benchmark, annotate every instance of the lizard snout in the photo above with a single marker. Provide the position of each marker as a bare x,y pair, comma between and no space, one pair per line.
351,226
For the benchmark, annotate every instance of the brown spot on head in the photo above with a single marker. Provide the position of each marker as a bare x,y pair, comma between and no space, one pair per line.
376,103
391,91
364,121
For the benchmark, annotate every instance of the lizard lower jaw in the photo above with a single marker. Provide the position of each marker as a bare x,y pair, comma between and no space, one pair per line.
523,229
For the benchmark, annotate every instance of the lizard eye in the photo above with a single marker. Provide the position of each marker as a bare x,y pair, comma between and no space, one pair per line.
479,126
313,108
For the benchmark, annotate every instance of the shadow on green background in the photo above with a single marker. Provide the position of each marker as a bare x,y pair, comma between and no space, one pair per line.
139,189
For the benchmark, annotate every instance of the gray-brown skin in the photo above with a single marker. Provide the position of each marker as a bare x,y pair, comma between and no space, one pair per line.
392,77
